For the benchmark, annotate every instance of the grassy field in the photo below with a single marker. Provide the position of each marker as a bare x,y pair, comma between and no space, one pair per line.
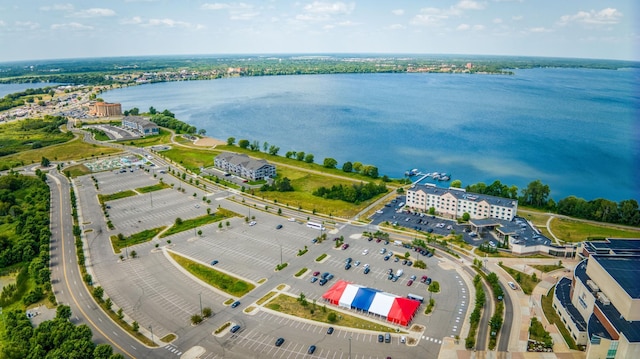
266,297
191,158
118,195
163,138
219,280
72,150
525,281
290,305
578,231
137,238
77,170
188,224
554,318
547,268
153,188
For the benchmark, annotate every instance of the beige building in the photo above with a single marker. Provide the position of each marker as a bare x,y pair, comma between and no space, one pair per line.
105,109
454,202
601,304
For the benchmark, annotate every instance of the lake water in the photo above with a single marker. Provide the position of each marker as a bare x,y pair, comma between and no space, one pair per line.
577,130
6,89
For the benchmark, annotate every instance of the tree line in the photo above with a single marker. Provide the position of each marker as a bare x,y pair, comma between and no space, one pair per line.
356,193
536,195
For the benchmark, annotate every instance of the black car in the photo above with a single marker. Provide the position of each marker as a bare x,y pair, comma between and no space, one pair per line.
311,349
235,328
348,266
235,304
279,226
214,262
279,341
380,338
330,330
367,270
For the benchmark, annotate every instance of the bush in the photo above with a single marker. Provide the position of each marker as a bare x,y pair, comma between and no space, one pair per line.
332,317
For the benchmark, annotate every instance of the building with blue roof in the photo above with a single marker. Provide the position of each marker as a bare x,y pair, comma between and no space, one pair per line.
601,304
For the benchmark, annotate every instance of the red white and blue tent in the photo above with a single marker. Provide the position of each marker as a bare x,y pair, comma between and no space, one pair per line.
394,308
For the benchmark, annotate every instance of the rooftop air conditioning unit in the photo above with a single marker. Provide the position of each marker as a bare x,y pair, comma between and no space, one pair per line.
603,298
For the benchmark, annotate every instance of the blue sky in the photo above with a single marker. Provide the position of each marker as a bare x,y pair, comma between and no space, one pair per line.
35,29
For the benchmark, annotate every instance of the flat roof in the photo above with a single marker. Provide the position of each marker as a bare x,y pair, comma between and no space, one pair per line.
624,269
461,194
563,290
628,246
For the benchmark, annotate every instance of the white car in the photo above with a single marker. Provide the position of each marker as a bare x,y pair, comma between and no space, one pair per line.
292,219
366,265
379,212
252,223
512,285
365,252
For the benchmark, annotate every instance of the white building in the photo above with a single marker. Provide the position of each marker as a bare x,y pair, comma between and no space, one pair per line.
454,202
244,166
140,124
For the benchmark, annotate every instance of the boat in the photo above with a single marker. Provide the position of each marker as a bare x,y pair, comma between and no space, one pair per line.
413,172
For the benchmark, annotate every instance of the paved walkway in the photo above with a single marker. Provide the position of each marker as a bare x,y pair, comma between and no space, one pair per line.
524,308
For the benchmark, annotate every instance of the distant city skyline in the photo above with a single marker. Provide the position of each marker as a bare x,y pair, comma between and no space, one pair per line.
37,29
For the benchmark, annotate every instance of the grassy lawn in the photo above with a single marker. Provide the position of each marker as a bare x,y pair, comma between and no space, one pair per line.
554,318
112,197
526,282
155,187
188,224
219,280
266,298
77,170
72,150
290,305
577,231
191,158
547,267
137,238
163,138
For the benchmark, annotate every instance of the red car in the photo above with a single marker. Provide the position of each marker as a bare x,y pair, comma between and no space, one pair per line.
315,274
423,279
409,283
345,246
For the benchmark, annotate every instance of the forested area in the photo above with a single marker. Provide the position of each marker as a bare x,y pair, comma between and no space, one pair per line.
536,194
17,99
32,133
168,120
356,193
24,248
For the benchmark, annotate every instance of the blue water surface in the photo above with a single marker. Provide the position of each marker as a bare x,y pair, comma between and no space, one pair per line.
577,130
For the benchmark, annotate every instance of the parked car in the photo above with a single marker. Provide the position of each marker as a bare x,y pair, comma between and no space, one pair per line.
214,262
316,273
314,279
347,266
311,349
235,328
348,260
323,281
279,341
409,283
252,223
413,277
330,330
428,281
423,279
279,226
367,270
235,304
345,246
357,263
382,250
365,252
380,338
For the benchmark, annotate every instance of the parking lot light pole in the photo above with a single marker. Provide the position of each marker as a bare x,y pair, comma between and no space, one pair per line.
281,254
349,347
151,329
200,296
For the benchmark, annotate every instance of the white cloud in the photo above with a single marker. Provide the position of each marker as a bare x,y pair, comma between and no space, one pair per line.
132,21
171,23
463,27
398,12
396,27
2,23
215,6
94,12
497,20
478,27
71,26
58,7
27,25
237,11
469,5
539,29
320,7
517,18
606,16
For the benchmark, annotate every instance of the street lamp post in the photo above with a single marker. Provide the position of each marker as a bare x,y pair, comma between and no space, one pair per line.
200,296
349,347
151,329
281,254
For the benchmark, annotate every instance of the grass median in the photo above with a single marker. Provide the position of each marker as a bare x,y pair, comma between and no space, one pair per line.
187,224
119,241
113,196
222,281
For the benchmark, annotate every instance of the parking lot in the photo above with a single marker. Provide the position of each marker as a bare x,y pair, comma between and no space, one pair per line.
154,292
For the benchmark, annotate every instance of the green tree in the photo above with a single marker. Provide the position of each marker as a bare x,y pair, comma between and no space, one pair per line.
63,312
207,312
456,183
243,143
98,292
536,194
135,326
357,167
300,156
103,351
273,150
231,141
329,163
152,110
196,319
347,167
134,254
308,158
45,162
466,216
